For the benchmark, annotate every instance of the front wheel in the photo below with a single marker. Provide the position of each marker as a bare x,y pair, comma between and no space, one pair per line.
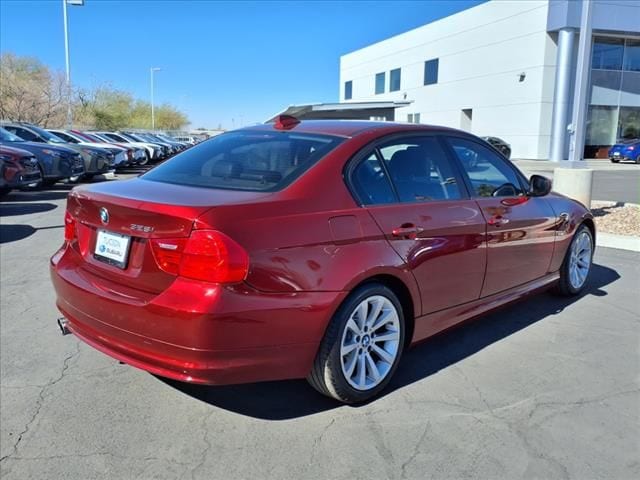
362,346
577,263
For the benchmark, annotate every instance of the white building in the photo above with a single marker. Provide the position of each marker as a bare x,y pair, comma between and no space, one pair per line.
506,69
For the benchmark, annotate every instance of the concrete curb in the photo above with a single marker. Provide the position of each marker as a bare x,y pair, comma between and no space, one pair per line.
621,242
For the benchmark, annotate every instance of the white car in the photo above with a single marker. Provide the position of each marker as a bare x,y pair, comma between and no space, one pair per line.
154,152
119,153
139,153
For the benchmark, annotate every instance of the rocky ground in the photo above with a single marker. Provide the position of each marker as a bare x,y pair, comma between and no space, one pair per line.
619,218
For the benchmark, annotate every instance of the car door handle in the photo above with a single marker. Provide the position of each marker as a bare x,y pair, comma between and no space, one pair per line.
497,220
406,230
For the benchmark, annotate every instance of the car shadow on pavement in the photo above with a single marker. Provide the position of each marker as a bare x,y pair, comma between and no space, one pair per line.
290,399
13,233
11,209
55,192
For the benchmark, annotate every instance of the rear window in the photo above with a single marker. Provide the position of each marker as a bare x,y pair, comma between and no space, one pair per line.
245,160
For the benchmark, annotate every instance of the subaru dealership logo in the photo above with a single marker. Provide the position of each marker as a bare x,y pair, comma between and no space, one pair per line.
104,215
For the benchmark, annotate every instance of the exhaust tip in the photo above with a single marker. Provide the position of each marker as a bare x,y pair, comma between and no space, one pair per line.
62,323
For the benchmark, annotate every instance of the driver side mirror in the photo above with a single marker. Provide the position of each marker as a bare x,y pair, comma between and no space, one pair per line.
539,186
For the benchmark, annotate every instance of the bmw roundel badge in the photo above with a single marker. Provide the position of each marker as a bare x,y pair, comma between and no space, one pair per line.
104,215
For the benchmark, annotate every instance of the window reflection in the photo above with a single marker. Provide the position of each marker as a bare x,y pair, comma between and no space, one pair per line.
607,53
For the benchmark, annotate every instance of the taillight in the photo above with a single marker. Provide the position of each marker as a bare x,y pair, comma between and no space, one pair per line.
206,255
69,226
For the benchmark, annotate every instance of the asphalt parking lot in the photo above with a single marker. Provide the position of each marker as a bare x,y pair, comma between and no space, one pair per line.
548,388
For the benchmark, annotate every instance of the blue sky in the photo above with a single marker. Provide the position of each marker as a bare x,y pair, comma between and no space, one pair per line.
227,63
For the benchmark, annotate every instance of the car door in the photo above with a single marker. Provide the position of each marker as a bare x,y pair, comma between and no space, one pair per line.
520,229
419,200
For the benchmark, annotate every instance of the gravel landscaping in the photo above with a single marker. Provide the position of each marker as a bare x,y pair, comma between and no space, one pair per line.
617,217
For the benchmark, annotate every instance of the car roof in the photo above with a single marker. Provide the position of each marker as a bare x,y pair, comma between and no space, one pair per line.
349,128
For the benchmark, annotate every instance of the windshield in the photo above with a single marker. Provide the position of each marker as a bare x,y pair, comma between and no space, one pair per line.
245,160
130,137
147,138
49,137
102,138
116,137
7,136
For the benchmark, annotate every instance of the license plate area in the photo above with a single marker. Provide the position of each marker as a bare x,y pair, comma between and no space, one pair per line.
112,248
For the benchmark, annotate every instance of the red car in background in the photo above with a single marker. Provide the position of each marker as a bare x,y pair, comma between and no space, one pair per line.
316,249
18,169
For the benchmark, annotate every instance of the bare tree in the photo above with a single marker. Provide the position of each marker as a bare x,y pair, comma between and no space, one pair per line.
30,92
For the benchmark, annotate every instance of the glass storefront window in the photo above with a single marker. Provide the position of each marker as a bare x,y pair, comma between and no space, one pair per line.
630,89
607,53
602,125
632,56
629,123
605,87
614,96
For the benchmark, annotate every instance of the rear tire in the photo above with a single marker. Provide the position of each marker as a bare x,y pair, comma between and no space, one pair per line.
362,346
576,267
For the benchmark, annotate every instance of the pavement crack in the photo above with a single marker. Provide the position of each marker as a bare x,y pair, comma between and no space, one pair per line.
205,438
318,440
40,402
478,391
416,451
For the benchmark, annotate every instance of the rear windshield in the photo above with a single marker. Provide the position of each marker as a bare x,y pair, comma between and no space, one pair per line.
245,160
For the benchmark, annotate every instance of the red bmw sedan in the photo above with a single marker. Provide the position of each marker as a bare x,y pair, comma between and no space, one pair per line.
315,249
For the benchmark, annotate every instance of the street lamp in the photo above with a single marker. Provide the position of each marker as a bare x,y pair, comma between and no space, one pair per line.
153,115
77,3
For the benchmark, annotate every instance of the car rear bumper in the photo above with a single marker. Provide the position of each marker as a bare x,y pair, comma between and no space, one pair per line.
192,331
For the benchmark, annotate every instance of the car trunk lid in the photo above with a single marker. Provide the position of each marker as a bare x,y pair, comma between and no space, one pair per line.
139,210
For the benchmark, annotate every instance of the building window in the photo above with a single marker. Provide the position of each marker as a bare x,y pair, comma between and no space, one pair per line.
348,90
431,71
380,81
632,56
607,53
394,80
413,118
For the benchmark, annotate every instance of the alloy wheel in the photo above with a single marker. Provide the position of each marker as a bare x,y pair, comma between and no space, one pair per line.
370,342
580,260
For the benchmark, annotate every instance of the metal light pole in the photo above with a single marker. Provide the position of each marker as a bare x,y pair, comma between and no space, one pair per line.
578,122
77,3
153,114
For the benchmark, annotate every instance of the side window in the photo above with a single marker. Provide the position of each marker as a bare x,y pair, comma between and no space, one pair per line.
420,170
371,184
65,137
23,134
489,174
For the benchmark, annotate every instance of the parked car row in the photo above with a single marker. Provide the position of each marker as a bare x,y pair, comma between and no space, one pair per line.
74,154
